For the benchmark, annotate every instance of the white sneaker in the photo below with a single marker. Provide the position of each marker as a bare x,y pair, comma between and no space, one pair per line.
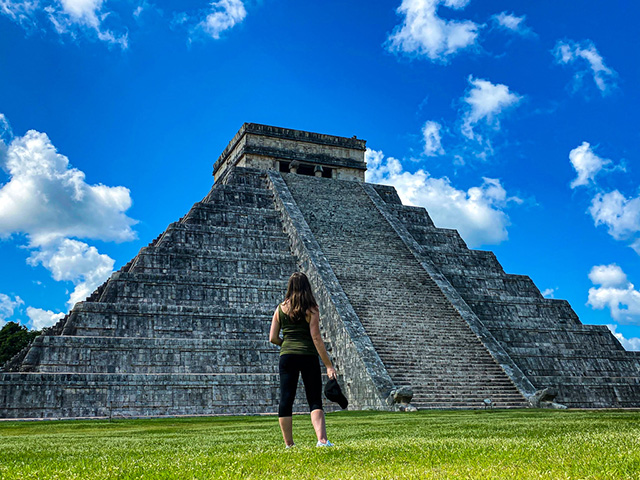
290,446
328,444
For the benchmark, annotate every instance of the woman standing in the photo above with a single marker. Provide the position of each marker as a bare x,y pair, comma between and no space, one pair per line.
299,320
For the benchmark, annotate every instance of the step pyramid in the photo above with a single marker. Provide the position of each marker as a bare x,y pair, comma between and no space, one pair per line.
409,313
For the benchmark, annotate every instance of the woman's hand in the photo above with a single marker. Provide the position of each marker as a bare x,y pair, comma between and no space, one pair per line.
331,372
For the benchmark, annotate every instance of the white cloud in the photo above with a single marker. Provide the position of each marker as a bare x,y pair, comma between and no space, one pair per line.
46,198
586,164
632,343
83,11
621,215
85,15
608,276
223,15
74,261
6,135
512,23
110,21
477,213
485,103
548,292
432,138
21,12
68,17
42,318
424,33
586,59
7,307
615,292
49,201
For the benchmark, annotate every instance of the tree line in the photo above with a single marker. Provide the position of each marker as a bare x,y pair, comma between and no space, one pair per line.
13,338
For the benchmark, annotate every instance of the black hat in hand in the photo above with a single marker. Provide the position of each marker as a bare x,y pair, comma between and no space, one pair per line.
333,392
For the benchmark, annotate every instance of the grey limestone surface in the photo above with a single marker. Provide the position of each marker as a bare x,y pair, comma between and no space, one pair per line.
408,312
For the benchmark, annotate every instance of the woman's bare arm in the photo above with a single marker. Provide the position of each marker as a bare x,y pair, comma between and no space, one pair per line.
274,333
314,326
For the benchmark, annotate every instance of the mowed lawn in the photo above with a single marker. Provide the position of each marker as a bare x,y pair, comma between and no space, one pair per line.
430,444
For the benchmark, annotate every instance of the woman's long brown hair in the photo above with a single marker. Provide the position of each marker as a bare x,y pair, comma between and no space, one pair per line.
300,296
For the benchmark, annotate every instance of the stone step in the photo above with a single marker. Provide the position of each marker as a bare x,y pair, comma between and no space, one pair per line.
230,240
185,310
464,406
194,230
246,220
466,396
240,196
422,390
437,239
411,215
161,320
559,352
193,289
69,395
449,382
437,359
170,326
217,263
152,355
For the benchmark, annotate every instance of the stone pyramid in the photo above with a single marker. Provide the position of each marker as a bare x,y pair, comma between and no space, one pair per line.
409,313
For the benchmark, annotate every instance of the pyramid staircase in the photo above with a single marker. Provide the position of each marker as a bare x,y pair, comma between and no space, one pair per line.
420,337
584,364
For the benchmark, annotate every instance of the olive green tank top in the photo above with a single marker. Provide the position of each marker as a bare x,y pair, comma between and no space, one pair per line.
296,336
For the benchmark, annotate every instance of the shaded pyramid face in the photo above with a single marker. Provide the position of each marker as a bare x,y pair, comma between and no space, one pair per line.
408,312
182,329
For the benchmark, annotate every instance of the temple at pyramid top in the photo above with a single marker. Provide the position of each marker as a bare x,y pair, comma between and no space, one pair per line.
287,150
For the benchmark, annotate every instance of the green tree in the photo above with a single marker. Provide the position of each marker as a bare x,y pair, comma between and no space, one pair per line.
13,338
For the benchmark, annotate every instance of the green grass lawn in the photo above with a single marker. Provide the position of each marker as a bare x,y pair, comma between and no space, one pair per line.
432,444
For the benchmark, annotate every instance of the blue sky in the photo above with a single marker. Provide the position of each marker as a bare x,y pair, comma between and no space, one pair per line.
514,122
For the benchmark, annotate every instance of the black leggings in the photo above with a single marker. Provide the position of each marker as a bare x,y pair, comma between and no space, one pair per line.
290,367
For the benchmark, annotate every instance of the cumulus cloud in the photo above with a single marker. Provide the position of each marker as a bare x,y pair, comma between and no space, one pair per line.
223,15
432,138
47,198
608,275
512,23
614,291
40,318
586,164
7,307
49,201
477,213
586,60
485,103
621,215
74,261
424,33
